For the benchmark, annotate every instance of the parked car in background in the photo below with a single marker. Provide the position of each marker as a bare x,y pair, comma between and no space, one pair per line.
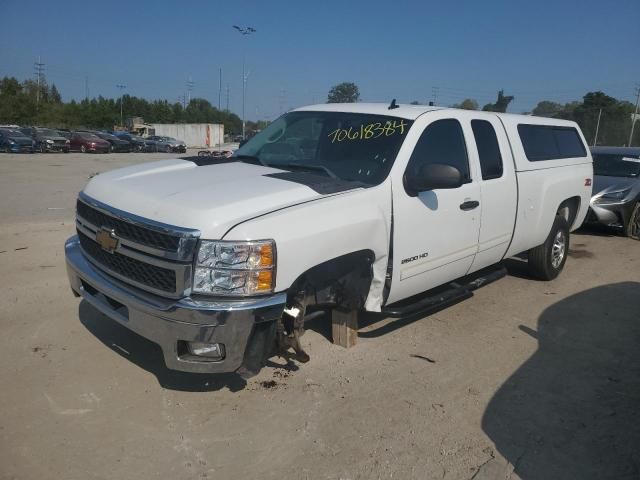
138,144
89,142
616,189
47,139
167,144
14,141
117,144
65,133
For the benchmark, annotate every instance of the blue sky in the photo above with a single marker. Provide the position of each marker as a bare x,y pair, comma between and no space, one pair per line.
556,50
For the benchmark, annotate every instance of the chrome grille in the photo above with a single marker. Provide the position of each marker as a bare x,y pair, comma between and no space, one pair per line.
149,255
156,277
127,230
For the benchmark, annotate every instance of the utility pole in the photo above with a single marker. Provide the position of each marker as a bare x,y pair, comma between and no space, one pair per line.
595,138
220,91
244,31
86,87
121,88
635,114
39,66
190,85
227,97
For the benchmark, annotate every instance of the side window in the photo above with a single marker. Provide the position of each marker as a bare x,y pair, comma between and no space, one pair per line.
548,142
441,142
488,149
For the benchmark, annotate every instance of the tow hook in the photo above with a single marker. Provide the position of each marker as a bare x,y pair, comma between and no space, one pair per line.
291,328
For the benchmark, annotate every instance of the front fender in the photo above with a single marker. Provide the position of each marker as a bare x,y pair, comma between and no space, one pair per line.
312,233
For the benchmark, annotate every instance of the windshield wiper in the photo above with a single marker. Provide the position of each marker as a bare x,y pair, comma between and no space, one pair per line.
308,166
250,159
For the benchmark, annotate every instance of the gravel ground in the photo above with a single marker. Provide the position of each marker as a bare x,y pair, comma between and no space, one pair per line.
531,380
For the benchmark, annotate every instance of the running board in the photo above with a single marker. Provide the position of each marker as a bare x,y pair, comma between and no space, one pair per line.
454,292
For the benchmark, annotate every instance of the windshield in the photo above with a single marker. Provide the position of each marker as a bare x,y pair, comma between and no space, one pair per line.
610,165
11,133
91,136
351,146
45,132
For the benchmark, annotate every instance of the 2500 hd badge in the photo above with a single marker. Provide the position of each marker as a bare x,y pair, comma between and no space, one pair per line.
414,258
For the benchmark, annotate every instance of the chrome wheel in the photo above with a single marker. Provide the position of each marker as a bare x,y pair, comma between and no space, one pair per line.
558,249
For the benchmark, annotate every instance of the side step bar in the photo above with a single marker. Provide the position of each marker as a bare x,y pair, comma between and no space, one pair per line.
455,292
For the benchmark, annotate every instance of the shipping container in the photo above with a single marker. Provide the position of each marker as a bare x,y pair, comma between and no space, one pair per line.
195,135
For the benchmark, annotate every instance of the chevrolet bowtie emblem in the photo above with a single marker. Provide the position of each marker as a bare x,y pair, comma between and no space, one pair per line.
107,239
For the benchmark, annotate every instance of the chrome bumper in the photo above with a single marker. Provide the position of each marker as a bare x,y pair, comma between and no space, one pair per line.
168,322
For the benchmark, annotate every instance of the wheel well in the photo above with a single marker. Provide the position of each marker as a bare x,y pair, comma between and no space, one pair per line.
569,209
343,280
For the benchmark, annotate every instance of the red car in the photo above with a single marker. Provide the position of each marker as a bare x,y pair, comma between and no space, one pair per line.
89,142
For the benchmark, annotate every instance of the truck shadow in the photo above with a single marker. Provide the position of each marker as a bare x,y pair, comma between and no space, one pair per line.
572,411
148,355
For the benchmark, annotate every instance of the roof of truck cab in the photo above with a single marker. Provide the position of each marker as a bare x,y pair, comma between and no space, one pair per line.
411,112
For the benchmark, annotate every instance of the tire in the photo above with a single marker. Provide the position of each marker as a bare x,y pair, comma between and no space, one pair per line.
65,150
43,148
83,149
111,149
633,226
546,261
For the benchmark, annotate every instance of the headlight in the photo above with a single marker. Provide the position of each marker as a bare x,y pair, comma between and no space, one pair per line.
49,141
235,268
12,142
67,141
613,197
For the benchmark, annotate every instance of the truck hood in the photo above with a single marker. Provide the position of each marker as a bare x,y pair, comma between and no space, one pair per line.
210,198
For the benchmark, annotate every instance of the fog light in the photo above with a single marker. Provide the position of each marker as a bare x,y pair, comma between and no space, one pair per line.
209,350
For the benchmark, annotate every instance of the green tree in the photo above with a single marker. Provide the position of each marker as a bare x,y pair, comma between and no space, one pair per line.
546,108
467,104
346,92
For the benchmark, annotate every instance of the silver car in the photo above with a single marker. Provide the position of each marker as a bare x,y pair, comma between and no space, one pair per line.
167,144
616,189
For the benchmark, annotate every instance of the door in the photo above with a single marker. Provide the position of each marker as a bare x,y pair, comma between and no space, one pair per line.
435,233
498,188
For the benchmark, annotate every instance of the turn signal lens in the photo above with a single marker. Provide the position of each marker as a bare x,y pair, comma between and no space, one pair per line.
265,281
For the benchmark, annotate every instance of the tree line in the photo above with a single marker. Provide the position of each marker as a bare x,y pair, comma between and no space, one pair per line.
30,103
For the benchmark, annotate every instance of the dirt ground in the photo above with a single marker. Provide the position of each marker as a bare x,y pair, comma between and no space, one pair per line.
531,380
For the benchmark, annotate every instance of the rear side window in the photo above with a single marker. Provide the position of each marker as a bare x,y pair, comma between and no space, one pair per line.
441,142
548,142
488,149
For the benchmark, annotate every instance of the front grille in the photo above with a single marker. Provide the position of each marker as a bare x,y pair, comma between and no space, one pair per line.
128,230
151,275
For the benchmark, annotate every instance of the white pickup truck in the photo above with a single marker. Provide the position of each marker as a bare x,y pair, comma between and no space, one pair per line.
338,208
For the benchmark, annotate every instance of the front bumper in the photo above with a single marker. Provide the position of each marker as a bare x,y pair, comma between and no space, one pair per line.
614,215
21,148
168,322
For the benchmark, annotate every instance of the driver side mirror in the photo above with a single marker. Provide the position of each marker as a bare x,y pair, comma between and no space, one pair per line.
433,176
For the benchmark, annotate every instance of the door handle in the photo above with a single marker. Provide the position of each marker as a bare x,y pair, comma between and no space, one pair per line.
469,205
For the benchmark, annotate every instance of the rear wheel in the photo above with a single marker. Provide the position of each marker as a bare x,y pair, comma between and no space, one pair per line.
83,149
547,260
43,148
633,227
